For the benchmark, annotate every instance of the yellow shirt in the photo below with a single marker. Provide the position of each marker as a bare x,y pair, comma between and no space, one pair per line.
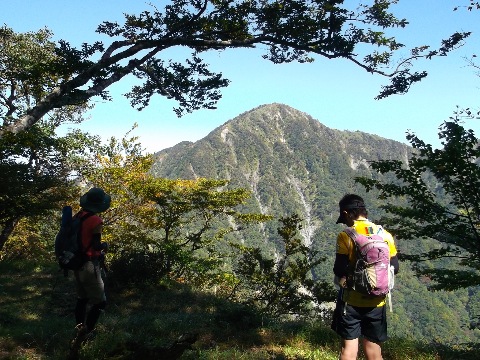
346,246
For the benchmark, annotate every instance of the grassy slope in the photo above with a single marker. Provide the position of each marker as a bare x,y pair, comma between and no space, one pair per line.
36,322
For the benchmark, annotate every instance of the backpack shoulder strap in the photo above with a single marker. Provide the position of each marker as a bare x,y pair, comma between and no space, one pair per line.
352,234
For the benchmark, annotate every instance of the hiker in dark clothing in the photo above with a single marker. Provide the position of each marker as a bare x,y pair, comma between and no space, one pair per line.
88,279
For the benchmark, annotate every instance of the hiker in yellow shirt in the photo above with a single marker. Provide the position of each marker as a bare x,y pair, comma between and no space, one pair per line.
357,314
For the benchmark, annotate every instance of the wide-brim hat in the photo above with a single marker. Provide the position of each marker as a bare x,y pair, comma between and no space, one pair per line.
356,204
95,200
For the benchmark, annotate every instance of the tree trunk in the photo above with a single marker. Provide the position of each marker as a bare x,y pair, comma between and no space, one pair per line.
7,231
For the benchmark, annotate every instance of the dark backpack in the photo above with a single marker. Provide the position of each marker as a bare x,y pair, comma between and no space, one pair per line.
371,272
68,242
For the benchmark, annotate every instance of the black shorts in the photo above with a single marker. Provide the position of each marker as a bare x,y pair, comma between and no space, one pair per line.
371,323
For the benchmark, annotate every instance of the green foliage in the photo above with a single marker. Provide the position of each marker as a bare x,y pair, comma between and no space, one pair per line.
188,224
177,230
32,66
36,168
122,170
58,76
282,285
32,238
441,186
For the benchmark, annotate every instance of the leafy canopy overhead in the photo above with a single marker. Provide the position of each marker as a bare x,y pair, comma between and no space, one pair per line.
288,30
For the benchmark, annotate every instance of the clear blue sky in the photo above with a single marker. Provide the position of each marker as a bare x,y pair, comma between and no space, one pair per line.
335,92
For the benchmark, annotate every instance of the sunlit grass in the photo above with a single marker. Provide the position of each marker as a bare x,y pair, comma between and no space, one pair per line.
31,316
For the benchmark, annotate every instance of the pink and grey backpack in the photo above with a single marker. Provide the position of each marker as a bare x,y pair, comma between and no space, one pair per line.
370,274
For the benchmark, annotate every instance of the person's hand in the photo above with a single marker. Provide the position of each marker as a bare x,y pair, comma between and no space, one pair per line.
343,282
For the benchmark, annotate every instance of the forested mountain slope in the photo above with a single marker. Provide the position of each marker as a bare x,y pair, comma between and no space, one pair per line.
293,164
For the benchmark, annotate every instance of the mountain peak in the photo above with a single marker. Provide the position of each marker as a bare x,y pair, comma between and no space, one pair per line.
269,123
275,147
